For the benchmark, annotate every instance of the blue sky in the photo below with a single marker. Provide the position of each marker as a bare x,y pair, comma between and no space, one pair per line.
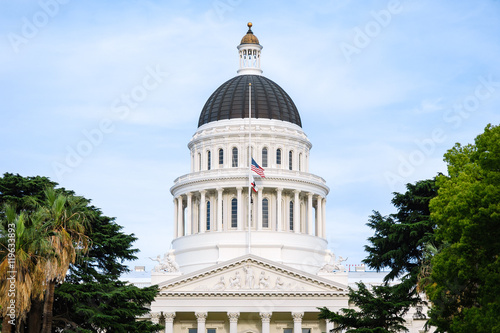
384,88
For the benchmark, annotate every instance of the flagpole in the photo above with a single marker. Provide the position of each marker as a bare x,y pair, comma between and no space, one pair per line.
249,165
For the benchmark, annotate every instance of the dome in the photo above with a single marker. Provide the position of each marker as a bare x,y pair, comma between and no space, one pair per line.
249,38
230,101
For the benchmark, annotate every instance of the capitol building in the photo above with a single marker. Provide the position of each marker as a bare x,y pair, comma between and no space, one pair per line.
249,252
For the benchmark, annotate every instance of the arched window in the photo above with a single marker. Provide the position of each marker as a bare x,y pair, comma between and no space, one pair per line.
209,160
278,156
264,157
221,156
290,160
235,158
208,215
291,215
265,213
234,213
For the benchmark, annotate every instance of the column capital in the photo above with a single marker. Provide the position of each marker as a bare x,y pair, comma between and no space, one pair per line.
201,316
296,191
189,194
297,316
169,317
155,317
233,316
310,195
239,188
203,191
219,189
265,316
279,189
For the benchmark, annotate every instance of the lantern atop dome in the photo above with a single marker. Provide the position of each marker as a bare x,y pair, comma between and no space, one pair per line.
249,53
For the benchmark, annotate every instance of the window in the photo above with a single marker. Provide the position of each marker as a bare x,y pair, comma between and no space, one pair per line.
278,156
211,330
291,215
300,161
221,156
264,157
208,215
209,160
265,213
285,330
234,213
192,330
306,330
199,162
290,160
235,158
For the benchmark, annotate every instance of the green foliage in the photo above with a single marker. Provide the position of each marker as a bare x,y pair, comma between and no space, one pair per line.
91,298
464,283
399,244
380,311
399,240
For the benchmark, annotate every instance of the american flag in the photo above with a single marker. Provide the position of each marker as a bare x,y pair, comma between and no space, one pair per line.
257,169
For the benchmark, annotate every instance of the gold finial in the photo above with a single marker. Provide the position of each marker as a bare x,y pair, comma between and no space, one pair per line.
249,25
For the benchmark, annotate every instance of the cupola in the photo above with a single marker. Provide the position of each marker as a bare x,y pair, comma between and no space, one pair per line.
249,53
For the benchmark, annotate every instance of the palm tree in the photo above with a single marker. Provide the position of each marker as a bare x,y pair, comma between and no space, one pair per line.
65,219
24,265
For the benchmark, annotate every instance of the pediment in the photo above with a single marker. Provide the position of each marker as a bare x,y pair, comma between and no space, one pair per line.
251,274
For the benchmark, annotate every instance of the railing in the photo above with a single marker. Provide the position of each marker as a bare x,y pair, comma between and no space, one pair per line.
243,172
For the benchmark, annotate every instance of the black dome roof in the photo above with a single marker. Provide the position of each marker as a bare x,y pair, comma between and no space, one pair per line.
230,101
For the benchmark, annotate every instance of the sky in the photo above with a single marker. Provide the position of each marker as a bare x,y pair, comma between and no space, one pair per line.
103,96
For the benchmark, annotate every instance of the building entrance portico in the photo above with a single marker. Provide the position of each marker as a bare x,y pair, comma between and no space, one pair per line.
248,294
237,322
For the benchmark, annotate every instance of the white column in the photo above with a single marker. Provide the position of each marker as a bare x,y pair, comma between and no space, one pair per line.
259,209
201,317
310,213
239,190
203,212
219,209
279,222
266,319
176,224
319,212
296,212
329,325
180,216
323,218
169,321
189,220
297,321
233,321
194,215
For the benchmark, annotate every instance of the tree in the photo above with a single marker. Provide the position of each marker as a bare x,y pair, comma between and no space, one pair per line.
399,244
380,311
22,261
64,217
91,298
464,283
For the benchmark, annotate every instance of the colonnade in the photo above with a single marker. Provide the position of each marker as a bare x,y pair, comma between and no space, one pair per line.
233,318
226,209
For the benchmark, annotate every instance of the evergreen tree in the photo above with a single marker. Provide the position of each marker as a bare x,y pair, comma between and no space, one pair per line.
398,244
